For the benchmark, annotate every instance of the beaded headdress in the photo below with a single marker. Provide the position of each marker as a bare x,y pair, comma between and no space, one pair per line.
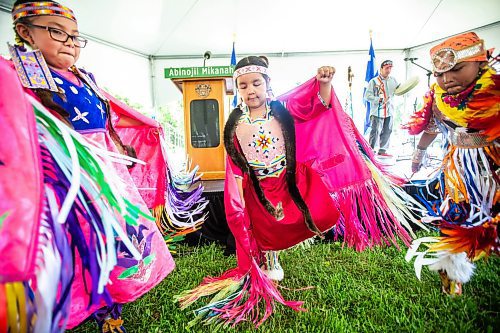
39,8
464,47
250,69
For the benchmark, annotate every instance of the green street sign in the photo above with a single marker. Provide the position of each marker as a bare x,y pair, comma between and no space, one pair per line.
195,72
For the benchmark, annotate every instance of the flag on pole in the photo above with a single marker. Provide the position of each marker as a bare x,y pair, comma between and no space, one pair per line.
233,63
371,72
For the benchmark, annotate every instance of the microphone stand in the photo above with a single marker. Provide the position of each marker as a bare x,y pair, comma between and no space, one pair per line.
429,73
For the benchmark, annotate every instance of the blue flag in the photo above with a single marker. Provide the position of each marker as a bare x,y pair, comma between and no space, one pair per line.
233,63
371,72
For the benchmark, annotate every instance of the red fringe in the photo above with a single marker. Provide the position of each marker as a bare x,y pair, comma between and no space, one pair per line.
260,289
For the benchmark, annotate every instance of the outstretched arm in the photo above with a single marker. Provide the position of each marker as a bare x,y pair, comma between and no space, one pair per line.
324,77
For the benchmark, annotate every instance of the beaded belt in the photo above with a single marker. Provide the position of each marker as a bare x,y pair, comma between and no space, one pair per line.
462,139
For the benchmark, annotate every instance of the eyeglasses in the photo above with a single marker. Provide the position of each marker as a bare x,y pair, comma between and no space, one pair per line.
61,36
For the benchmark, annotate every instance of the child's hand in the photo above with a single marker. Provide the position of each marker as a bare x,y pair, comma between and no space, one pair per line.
325,74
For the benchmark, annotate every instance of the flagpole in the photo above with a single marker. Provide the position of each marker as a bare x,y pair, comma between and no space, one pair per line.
233,63
371,72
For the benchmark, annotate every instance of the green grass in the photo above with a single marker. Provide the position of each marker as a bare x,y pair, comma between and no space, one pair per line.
372,291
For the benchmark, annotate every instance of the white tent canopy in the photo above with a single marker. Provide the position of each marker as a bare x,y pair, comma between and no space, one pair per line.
133,41
190,27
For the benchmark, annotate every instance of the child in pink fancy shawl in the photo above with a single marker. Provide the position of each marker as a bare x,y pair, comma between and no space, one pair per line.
48,74
296,168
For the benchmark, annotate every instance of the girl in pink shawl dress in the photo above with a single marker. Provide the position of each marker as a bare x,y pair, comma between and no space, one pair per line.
75,99
287,201
296,168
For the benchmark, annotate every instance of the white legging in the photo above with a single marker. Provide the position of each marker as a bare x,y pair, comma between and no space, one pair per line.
271,260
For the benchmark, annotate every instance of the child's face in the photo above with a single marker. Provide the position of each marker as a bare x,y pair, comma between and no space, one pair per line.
252,88
59,55
459,77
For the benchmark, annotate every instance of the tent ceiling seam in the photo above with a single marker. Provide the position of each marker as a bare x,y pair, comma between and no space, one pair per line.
490,25
428,19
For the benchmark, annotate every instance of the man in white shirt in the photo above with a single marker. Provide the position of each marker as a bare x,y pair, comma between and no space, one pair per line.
380,94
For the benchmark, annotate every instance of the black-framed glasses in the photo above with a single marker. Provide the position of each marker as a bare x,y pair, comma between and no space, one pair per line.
61,36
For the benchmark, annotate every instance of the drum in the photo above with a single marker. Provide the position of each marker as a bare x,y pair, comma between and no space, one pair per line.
403,88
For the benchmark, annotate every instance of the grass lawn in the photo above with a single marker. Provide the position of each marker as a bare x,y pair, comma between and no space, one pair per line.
372,291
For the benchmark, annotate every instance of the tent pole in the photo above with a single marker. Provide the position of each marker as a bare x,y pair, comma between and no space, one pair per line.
152,69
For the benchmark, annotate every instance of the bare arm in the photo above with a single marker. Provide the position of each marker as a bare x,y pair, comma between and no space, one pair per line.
424,142
325,76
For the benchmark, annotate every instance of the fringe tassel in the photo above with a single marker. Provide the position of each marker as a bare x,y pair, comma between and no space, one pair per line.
183,211
99,186
249,297
54,275
469,181
469,178
375,212
17,310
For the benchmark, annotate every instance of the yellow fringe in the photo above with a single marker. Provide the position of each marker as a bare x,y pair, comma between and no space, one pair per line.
452,176
188,297
16,307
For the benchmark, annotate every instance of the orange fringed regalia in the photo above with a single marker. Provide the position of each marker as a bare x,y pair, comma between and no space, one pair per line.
470,174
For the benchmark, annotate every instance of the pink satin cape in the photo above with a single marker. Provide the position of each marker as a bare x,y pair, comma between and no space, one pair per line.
21,186
330,146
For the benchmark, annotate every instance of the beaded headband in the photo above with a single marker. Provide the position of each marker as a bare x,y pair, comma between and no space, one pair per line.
40,8
250,69
386,63
464,47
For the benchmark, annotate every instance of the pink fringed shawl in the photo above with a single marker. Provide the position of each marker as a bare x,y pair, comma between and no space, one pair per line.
329,143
